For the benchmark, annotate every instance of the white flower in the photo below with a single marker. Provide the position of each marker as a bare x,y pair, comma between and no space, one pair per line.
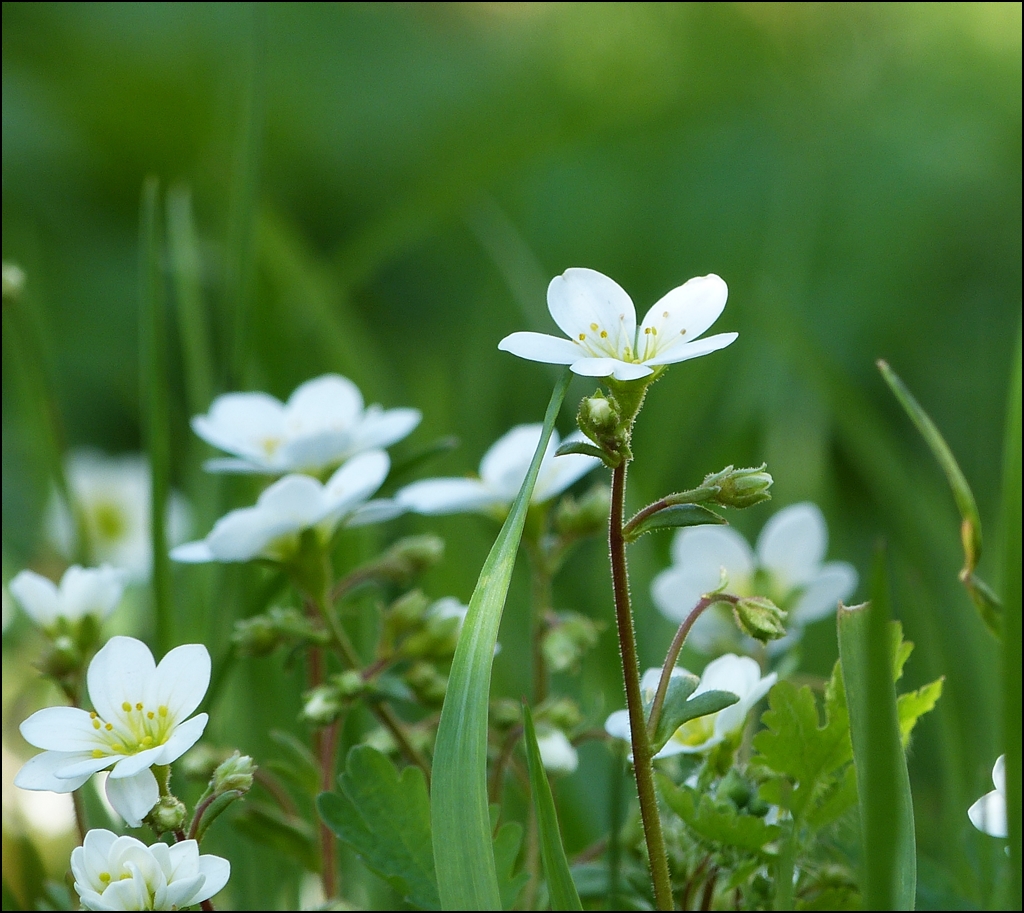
83,591
141,719
988,814
272,527
557,753
113,494
786,567
322,424
502,471
740,675
122,873
604,340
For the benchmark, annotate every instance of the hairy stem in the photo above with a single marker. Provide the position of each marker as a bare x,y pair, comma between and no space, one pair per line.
642,755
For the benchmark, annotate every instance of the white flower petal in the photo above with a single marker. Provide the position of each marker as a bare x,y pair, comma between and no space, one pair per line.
507,460
713,630
999,774
233,464
130,765
378,510
677,590
217,872
382,429
594,311
181,680
315,450
436,497
40,772
793,543
617,725
988,814
684,351
118,672
609,367
356,480
84,767
541,347
687,311
37,595
197,552
182,739
327,402
133,797
91,591
717,547
557,753
249,425
181,892
834,582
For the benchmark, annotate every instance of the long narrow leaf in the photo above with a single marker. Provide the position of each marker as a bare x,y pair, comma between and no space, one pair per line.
154,397
883,784
561,888
460,820
1011,593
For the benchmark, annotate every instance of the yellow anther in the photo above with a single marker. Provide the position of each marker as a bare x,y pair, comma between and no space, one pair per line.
93,714
138,706
593,326
682,332
125,876
664,313
118,747
150,714
604,334
105,877
126,707
95,724
647,331
583,336
162,710
97,753
108,726
147,740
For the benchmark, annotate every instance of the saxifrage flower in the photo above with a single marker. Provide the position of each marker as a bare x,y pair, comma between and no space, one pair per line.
502,471
787,567
599,319
141,718
323,424
273,526
988,814
122,873
82,591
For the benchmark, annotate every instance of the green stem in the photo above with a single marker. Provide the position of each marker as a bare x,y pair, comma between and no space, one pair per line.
642,755
540,591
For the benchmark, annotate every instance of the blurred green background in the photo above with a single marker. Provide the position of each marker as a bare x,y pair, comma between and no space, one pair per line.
384,191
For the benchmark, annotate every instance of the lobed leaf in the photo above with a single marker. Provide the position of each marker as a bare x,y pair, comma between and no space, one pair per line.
717,822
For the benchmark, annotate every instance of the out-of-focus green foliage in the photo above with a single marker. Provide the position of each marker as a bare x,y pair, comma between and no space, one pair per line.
384,190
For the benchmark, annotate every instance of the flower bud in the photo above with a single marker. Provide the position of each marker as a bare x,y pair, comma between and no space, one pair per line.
586,516
236,773
428,684
63,658
598,418
348,684
741,487
323,704
411,556
759,617
167,815
568,639
407,611
505,713
561,712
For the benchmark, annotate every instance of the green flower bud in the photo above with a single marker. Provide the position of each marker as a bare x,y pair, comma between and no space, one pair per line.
348,684
587,516
322,706
407,611
759,617
561,712
505,713
599,419
256,636
428,684
167,815
411,556
63,658
568,639
236,773
740,487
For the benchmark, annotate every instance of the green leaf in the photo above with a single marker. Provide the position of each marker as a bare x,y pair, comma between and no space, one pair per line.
155,397
506,851
680,708
463,853
674,517
984,599
385,818
582,447
915,704
299,766
834,801
883,784
717,823
556,866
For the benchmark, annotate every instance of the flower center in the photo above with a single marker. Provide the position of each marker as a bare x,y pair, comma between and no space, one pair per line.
138,729
109,521
601,342
694,733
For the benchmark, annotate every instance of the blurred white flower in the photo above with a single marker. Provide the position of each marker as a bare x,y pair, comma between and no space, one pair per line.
322,424
140,720
113,494
600,320
988,814
557,753
502,471
122,873
82,591
739,675
273,526
787,567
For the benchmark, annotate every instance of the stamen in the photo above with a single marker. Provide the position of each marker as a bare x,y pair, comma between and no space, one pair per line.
682,332
162,710
93,714
664,313
95,724
108,726
647,331
118,747
105,877
138,706
593,326
150,714
126,707
583,336
97,753
147,740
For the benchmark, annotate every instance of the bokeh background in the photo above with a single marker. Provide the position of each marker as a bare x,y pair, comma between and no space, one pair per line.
384,191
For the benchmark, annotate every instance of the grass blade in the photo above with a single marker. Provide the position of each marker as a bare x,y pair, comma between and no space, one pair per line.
1011,593
461,826
561,887
155,400
883,784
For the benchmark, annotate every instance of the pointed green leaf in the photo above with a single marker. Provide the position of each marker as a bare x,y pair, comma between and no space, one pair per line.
680,708
915,704
506,851
385,818
556,866
674,517
883,784
581,447
718,823
463,853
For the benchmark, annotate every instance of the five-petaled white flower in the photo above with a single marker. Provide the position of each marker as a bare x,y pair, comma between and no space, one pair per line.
273,526
739,675
122,873
141,719
557,753
604,341
988,814
786,567
322,424
113,495
502,471
82,591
